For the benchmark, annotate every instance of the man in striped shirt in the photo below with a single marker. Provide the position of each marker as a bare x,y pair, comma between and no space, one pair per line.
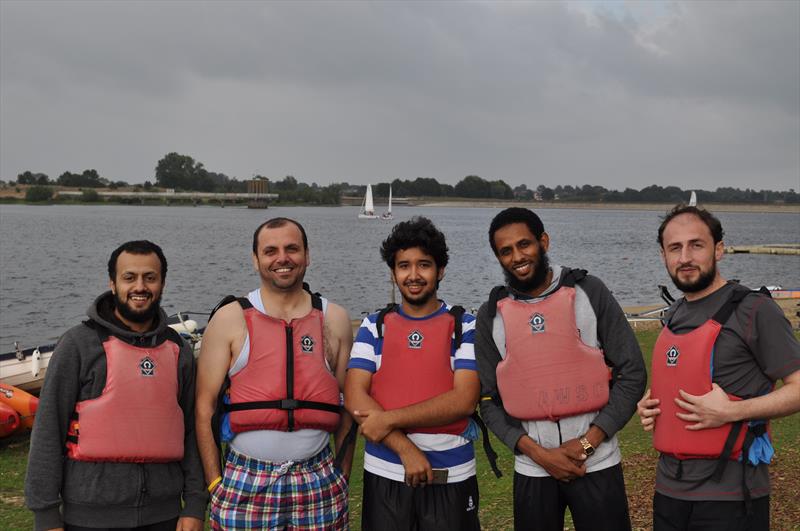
411,385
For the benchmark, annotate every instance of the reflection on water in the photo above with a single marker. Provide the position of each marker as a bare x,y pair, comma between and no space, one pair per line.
53,258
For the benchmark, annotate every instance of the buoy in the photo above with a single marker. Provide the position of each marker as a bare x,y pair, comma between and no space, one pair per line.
24,403
36,362
9,420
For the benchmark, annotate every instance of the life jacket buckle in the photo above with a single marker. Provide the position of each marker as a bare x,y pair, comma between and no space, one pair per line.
290,404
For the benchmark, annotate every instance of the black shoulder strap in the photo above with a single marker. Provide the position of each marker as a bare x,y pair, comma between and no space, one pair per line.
724,313
391,307
172,335
227,300
316,298
572,277
497,293
457,312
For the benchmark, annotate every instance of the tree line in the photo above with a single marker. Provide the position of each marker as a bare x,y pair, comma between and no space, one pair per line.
183,173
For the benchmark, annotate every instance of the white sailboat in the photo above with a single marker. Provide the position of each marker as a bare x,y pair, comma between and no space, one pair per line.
388,213
693,199
367,207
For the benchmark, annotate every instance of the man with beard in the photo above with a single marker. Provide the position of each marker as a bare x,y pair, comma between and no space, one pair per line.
113,443
412,385
548,345
277,359
715,366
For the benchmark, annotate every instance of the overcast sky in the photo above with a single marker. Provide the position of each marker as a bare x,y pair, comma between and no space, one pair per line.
692,94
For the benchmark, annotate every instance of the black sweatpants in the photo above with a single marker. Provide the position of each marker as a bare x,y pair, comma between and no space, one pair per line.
166,525
596,501
671,514
394,506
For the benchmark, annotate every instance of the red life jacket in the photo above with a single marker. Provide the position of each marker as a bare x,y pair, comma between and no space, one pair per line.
415,363
137,417
286,384
548,372
685,362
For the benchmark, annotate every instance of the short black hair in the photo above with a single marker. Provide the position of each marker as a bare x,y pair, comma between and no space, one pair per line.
515,215
136,247
417,232
276,223
705,216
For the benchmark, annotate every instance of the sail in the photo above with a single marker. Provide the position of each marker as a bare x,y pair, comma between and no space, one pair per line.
369,207
388,213
693,199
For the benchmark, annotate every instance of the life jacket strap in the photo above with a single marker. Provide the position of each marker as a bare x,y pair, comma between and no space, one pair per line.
287,404
491,455
457,312
497,293
391,307
349,440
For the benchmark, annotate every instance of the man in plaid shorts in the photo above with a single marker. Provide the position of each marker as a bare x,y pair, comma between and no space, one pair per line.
276,361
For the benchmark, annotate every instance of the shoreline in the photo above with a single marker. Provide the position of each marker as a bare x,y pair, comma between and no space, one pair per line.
772,208
657,207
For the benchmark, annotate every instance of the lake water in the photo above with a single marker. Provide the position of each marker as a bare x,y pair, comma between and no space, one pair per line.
53,258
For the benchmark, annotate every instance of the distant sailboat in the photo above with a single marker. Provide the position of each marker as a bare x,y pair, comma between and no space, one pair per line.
693,199
388,213
367,208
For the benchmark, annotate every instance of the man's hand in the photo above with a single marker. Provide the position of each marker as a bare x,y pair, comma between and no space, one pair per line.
574,450
558,462
710,410
189,523
375,425
417,468
648,410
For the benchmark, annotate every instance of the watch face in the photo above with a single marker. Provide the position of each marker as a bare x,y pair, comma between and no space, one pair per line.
589,451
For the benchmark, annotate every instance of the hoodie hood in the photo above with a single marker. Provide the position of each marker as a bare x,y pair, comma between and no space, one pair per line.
101,312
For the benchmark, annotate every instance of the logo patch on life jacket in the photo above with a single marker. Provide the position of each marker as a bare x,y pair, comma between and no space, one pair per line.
672,356
307,343
537,323
147,366
415,339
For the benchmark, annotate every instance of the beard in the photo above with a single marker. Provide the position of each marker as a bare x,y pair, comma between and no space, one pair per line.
419,300
703,281
137,316
540,270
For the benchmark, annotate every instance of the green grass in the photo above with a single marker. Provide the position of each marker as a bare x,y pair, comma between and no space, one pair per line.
496,512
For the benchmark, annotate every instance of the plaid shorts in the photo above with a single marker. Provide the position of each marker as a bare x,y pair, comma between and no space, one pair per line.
255,494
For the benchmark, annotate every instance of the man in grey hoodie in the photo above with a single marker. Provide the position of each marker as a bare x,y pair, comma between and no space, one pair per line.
548,344
113,443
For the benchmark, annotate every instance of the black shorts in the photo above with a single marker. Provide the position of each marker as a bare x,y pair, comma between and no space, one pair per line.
671,514
596,501
394,506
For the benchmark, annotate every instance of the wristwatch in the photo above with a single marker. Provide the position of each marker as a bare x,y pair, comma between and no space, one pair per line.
587,446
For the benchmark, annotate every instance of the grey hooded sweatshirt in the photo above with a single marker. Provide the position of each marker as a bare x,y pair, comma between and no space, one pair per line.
106,494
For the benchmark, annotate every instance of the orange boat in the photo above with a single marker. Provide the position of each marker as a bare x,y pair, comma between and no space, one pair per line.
9,420
24,403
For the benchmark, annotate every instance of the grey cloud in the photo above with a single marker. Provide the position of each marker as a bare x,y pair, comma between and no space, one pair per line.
692,93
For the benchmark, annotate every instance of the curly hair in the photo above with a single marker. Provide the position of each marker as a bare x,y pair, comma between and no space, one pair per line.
713,224
417,232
